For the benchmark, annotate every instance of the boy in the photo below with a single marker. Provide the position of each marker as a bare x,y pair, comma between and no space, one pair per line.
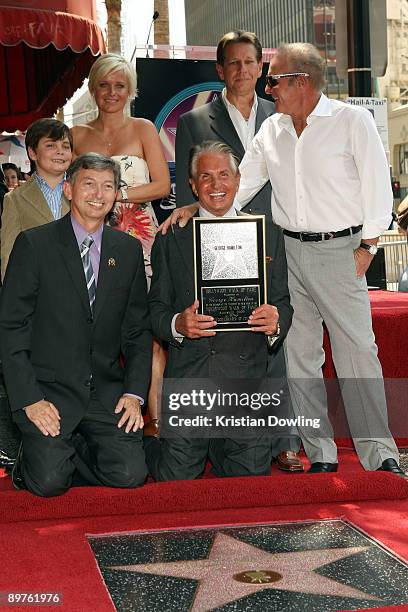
40,200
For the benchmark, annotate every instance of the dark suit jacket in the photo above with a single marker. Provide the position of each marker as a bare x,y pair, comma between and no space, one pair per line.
51,346
229,354
212,122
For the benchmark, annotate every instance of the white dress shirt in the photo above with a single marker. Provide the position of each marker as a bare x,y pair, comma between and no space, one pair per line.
334,176
245,128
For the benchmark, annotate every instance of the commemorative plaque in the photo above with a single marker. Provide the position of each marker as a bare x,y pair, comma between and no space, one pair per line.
229,266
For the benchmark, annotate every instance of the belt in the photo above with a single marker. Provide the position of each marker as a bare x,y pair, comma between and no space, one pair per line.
319,236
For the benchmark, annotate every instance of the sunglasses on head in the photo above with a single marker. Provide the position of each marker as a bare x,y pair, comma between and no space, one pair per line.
273,79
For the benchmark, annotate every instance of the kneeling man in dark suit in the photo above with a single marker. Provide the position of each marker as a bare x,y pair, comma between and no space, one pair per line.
195,349
74,301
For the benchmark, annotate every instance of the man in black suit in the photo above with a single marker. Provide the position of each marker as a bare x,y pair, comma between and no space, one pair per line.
195,350
234,118
73,302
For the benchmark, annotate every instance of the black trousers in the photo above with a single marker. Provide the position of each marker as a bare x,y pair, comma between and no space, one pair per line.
185,458
95,453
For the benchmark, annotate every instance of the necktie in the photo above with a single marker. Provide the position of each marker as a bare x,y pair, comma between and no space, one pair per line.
89,273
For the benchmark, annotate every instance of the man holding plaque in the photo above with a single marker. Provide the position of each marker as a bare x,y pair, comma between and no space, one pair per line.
196,350
234,118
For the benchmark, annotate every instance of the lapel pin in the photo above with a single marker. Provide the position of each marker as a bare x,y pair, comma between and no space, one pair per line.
111,262
268,259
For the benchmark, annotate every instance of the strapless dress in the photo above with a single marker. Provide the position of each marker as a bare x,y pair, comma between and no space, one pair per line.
138,220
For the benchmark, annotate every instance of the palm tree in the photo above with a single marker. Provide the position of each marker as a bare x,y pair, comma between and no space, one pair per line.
113,8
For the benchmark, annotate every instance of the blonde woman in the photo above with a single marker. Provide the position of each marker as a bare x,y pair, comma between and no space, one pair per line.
135,144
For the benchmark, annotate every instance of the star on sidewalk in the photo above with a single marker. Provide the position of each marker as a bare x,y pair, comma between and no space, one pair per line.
235,569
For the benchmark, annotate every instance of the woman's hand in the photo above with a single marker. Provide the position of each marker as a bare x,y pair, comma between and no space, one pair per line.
126,201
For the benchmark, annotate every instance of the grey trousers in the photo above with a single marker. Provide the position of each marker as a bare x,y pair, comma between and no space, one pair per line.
324,286
289,440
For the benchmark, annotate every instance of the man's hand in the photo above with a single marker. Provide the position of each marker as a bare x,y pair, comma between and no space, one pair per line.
132,413
264,319
362,260
45,416
193,325
181,215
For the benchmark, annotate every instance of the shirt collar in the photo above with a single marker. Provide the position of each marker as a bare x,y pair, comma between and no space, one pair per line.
205,213
81,233
43,183
322,109
229,105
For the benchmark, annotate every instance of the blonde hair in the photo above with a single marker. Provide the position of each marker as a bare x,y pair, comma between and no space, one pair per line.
304,57
110,62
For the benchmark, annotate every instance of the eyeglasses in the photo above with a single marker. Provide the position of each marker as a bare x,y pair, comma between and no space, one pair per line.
273,79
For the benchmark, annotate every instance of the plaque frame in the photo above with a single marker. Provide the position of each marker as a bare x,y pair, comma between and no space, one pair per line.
258,282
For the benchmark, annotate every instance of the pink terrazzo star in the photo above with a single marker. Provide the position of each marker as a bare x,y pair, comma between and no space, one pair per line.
229,557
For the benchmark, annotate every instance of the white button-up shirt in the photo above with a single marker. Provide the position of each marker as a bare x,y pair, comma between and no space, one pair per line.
244,128
334,176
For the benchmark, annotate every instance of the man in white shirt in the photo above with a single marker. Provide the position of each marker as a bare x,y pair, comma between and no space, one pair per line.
332,197
195,350
234,118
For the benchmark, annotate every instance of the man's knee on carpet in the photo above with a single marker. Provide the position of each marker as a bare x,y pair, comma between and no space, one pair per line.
172,460
246,457
124,475
48,483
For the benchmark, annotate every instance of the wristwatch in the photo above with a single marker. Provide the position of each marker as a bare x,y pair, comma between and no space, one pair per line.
371,248
277,332
123,193
272,338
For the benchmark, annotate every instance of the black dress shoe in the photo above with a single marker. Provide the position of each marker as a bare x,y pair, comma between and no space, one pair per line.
16,474
319,466
6,462
390,465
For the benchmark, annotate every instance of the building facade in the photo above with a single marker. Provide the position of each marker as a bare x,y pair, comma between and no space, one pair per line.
394,87
274,22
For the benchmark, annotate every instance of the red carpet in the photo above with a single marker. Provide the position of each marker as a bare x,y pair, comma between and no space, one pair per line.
186,496
389,311
349,484
46,550
390,323
50,556
211,494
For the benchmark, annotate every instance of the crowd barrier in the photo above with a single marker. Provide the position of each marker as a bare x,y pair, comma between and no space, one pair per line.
396,256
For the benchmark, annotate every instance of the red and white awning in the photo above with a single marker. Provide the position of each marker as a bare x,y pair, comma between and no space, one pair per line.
44,57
